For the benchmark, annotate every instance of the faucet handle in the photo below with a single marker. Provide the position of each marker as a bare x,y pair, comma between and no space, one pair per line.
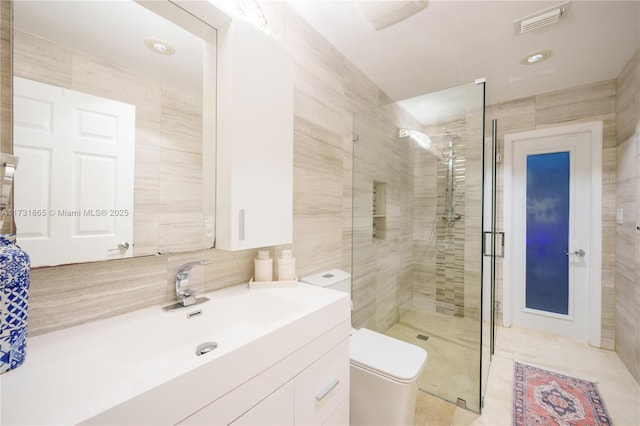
187,266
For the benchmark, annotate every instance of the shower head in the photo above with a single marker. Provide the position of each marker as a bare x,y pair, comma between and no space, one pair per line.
420,138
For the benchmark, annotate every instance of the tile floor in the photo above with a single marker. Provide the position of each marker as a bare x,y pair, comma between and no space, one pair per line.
453,349
621,393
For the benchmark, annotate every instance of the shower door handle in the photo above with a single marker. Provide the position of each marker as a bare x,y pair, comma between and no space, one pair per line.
486,244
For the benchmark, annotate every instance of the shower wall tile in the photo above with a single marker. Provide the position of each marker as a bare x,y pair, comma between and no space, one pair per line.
452,238
425,229
386,296
382,266
347,203
473,216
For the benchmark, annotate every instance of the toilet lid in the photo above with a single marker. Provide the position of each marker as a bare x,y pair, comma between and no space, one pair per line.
386,355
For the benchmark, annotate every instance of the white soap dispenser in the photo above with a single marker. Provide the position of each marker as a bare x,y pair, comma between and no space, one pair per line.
286,266
263,267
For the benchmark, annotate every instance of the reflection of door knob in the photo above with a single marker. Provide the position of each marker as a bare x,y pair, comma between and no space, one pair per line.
123,246
579,253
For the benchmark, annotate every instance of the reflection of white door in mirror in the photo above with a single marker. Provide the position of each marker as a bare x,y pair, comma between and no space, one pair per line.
63,43
74,203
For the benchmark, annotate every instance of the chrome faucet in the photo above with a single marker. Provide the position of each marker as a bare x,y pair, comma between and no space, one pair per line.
186,296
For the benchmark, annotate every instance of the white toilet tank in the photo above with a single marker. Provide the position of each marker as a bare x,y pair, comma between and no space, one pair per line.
334,279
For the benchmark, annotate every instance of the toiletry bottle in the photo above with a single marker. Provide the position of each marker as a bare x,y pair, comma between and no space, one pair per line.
286,266
263,266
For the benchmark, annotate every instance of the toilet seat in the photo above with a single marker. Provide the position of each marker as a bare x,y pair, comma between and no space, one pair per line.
389,357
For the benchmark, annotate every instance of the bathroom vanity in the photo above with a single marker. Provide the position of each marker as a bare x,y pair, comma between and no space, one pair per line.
282,357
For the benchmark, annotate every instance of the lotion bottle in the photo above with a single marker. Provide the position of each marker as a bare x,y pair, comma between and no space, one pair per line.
263,267
286,266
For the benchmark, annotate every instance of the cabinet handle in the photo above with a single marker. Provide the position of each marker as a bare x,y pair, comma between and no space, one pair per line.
241,224
328,388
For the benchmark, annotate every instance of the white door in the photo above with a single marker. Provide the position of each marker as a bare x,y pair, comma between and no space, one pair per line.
74,186
552,208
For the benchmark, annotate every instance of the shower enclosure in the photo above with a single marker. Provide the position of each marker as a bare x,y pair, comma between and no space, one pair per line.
421,266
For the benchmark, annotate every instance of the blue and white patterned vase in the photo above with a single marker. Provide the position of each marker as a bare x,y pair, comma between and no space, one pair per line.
15,275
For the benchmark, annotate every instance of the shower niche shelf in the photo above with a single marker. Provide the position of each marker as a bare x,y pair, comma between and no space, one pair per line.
379,210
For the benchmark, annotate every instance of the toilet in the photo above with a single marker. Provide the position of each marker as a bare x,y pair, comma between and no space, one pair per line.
384,370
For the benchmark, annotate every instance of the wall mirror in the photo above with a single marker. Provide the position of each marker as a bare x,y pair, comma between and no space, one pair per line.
114,124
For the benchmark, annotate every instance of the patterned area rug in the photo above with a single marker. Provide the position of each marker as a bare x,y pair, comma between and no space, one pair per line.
542,397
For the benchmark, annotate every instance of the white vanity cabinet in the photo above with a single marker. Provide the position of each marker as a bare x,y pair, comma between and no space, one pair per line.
276,409
323,387
255,139
282,358
309,387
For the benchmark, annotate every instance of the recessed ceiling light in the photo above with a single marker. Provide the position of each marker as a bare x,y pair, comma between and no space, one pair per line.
159,46
535,57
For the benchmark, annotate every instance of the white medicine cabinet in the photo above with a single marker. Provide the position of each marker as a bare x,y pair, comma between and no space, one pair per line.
255,139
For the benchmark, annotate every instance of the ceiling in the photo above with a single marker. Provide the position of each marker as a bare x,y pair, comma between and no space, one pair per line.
452,42
446,44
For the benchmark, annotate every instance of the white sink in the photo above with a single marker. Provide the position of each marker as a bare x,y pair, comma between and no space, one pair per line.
230,316
70,376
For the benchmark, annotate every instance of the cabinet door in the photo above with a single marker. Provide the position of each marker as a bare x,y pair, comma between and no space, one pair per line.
340,417
276,409
255,140
323,386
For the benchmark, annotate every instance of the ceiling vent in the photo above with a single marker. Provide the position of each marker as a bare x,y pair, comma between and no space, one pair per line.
541,19
383,14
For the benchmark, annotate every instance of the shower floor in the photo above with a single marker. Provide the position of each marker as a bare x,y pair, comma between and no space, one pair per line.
453,353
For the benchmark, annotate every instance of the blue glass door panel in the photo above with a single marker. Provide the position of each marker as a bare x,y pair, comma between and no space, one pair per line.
547,266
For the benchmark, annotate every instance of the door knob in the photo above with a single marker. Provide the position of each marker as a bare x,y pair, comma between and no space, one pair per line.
579,253
123,246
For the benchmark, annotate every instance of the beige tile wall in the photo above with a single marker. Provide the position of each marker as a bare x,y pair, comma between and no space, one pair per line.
579,104
418,263
447,257
328,89
382,264
627,320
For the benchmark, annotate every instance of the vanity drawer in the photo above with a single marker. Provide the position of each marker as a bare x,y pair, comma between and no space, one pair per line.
323,386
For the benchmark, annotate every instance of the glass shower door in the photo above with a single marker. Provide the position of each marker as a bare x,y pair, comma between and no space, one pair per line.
418,232
492,249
